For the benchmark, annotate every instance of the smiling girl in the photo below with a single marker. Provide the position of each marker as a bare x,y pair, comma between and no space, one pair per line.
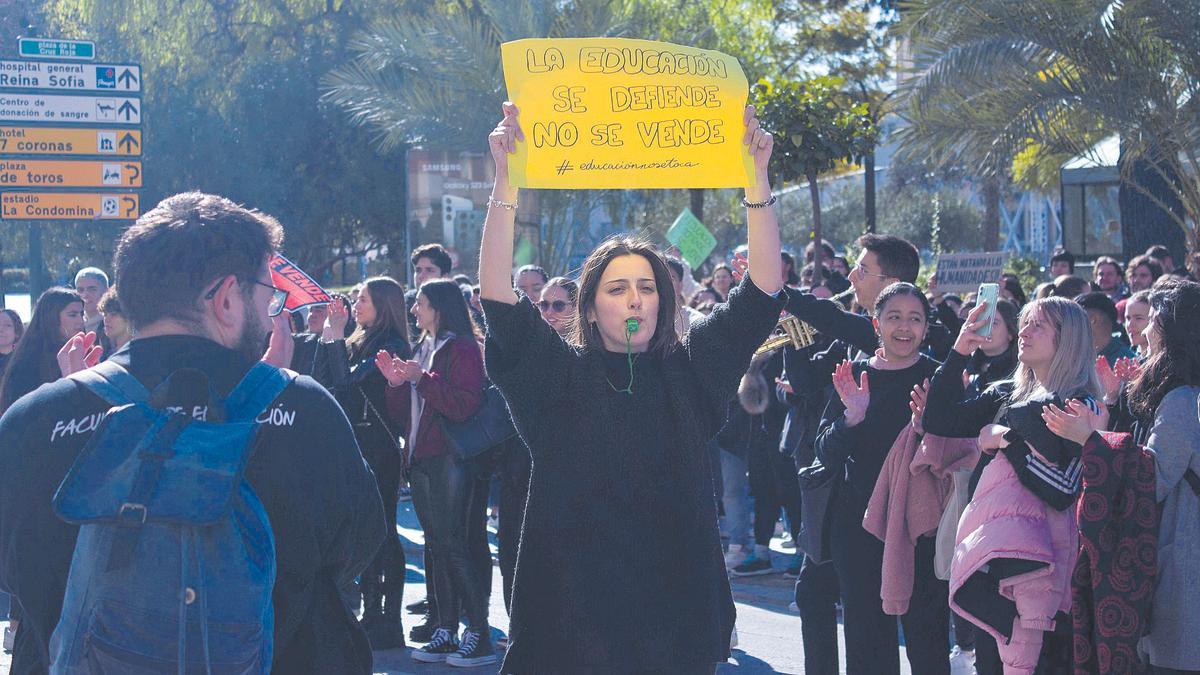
617,419
858,429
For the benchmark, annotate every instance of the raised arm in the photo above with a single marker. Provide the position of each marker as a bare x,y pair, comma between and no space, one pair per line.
766,265
496,245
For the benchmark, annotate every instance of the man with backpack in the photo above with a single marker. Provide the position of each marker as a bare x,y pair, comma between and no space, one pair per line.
218,502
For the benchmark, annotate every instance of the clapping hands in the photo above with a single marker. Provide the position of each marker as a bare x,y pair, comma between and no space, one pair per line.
856,396
396,370
79,353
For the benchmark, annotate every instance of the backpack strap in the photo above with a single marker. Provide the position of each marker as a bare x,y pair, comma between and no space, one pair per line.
262,384
112,383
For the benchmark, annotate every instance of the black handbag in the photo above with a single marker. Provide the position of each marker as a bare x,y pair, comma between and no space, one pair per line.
487,428
818,484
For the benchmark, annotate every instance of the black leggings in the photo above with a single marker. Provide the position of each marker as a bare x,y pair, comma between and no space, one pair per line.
382,582
872,643
441,491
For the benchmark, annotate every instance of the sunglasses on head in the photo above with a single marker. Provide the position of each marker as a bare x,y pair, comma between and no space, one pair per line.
557,305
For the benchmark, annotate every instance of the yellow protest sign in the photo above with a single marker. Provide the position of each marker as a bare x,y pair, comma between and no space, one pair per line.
609,113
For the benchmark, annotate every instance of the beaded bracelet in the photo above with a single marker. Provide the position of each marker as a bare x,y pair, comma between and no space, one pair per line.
758,205
511,206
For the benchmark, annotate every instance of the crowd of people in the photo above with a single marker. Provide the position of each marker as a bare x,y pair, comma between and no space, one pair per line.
999,489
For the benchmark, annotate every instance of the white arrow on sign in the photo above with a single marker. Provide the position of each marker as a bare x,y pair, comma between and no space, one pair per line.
69,109
70,76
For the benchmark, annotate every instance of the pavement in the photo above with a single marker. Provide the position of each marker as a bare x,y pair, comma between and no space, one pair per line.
768,631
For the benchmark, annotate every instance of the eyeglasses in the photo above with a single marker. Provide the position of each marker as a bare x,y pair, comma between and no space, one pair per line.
557,305
278,297
865,273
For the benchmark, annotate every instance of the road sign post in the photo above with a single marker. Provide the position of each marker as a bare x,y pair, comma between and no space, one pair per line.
70,137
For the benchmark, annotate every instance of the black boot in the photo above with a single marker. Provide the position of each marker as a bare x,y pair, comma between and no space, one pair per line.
386,632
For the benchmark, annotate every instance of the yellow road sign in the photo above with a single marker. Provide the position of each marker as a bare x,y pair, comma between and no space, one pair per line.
63,141
68,206
67,173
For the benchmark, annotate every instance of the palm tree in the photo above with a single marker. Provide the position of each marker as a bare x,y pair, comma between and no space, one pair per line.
992,78
436,80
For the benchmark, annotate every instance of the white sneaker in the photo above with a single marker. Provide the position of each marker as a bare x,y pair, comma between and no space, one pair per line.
736,555
962,662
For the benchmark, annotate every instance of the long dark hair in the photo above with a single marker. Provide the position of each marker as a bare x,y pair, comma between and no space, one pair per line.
1175,308
446,298
391,318
35,360
585,334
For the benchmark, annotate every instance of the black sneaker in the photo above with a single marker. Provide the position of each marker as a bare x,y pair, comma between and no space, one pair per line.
423,632
753,567
475,650
444,644
419,607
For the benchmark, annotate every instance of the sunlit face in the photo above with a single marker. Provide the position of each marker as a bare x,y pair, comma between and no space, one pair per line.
1140,278
901,326
364,309
317,315
1137,318
1107,277
722,281
8,333
868,279
426,315
627,290
1058,268
557,308
425,270
530,284
116,328
1037,340
70,320
90,289
1151,335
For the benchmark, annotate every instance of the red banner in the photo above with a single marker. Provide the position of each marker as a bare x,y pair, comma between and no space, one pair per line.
302,290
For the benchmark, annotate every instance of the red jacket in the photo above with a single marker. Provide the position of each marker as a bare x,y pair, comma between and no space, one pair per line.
452,388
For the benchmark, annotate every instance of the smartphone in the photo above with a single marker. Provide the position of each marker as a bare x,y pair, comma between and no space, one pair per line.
989,293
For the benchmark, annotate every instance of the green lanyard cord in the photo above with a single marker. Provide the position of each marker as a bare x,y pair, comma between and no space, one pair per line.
631,327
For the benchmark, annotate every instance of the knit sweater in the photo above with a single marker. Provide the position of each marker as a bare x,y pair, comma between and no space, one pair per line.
621,491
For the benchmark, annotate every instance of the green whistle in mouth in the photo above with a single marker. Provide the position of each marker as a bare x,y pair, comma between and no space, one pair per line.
631,325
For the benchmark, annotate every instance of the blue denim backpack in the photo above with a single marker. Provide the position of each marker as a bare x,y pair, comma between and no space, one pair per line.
175,559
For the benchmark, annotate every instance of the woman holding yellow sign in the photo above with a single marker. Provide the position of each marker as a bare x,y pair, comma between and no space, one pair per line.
620,566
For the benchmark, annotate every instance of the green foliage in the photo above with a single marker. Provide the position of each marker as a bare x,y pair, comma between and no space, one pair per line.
233,107
990,78
1028,271
815,126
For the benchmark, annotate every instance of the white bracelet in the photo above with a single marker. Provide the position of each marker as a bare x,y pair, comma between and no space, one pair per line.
511,206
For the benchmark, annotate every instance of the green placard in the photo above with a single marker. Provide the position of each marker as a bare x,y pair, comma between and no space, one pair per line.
42,48
694,240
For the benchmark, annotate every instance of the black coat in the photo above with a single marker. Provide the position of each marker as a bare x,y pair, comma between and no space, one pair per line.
620,564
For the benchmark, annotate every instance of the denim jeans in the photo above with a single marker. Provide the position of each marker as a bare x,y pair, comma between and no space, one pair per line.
736,497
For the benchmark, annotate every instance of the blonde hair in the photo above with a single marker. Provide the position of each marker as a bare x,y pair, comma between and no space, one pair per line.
1072,371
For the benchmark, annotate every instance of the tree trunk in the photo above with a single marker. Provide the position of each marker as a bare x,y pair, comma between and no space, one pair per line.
991,213
869,189
697,195
37,266
1145,223
814,192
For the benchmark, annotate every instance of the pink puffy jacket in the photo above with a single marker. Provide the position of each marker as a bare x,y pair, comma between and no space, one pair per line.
1006,528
